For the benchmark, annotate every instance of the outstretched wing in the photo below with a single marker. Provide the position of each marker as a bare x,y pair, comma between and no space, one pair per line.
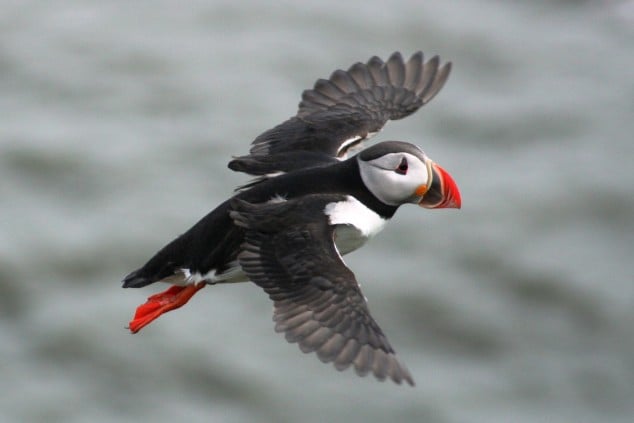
289,251
344,110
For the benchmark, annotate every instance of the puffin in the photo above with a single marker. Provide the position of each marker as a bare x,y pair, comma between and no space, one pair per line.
315,196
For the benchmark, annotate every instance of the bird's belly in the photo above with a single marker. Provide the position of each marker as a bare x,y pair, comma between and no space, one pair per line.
354,223
232,274
348,238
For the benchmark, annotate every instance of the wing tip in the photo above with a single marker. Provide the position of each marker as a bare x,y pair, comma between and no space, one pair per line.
367,94
424,78
364,359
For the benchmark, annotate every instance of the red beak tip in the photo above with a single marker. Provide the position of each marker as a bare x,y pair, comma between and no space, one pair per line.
450,191
456,203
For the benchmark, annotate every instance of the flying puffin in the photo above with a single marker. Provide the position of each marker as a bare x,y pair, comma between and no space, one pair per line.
309,205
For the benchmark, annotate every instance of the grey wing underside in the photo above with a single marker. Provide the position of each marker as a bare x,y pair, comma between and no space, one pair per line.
289,251
344,110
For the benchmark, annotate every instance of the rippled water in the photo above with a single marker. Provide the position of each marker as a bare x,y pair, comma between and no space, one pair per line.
116,122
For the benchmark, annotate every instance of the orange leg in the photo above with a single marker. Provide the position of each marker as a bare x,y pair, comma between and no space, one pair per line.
157,304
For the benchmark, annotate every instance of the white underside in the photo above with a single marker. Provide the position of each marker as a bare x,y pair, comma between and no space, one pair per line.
185,277
355,223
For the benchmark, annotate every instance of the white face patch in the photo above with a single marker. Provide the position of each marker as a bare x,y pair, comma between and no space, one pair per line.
394,188
355,213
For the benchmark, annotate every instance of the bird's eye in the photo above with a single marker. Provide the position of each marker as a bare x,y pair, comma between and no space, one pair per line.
402,167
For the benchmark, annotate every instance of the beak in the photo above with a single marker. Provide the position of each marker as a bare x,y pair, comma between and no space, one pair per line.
443,192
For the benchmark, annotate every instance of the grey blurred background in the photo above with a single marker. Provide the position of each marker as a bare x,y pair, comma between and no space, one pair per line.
117,120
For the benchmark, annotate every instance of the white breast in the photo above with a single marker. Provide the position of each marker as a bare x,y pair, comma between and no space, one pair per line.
355,223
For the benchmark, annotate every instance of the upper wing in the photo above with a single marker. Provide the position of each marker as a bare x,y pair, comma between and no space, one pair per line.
344,110
289,251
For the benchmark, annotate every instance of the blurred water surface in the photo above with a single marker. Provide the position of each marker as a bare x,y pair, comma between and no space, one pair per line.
117,120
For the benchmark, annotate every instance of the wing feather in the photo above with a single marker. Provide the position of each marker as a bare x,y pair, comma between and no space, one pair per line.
289,251
352,104
396,70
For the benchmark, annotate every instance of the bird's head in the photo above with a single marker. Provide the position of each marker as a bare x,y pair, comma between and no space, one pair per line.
397,172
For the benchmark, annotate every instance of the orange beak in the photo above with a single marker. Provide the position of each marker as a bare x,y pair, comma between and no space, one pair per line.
443,192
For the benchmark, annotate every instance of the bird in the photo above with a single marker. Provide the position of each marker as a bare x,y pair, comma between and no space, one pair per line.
316,195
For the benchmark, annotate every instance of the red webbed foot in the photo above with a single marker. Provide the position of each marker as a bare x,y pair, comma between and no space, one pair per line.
157,304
